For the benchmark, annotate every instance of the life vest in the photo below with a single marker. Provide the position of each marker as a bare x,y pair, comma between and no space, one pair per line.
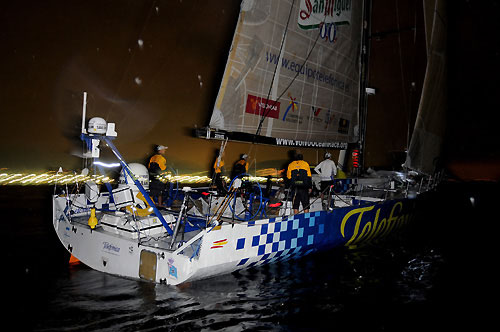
240,167
157,163
218,169
299,174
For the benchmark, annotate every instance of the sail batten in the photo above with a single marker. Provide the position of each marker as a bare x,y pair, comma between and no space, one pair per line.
296,79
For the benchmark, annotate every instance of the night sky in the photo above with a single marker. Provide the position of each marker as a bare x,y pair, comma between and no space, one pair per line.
154,68
472,149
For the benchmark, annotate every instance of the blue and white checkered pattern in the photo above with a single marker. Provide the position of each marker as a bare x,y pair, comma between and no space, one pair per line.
284,239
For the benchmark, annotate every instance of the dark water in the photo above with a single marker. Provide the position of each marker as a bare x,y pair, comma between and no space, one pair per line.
439,274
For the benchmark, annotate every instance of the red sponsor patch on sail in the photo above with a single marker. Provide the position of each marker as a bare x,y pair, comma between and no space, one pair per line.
218,244
262,106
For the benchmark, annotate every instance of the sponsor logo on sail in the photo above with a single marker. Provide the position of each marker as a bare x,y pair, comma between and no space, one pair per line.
314,14
343,126
263,107
316,110
291,106
310,73
311,144
329,118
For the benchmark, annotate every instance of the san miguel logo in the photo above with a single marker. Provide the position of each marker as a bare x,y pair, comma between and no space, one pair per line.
314,14
263,107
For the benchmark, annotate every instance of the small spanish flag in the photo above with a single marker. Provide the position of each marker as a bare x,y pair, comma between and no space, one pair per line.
219,244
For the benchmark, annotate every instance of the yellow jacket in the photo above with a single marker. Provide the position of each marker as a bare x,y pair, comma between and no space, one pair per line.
218,169
297,165
340,174
160,160
244,163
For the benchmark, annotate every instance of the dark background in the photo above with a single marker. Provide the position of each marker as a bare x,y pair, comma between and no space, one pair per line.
154,68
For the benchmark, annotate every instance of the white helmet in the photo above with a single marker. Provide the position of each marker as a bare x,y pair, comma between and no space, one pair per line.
328,155
161,147
141,173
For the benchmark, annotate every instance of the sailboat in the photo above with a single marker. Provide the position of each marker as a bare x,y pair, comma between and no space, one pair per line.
311,53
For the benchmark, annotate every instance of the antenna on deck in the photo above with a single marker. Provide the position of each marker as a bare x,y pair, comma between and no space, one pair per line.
84,111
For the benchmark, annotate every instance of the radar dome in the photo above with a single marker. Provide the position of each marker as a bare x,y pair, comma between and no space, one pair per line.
97,126
141,174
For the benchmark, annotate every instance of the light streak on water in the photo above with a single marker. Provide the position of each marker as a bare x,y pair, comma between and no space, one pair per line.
68,177
50,178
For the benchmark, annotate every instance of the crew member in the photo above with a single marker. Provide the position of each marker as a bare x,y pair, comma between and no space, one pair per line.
299,176
240,167
327,171
218,172
157,165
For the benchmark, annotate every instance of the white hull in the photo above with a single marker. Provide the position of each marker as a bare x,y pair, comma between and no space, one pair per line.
124,251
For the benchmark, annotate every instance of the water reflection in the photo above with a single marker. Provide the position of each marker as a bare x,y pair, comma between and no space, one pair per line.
328,288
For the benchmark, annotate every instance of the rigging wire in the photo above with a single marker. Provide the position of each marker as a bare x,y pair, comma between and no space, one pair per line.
413,87
405,99
267,110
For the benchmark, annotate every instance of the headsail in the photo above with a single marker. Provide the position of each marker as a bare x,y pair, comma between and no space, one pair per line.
292,76
427,138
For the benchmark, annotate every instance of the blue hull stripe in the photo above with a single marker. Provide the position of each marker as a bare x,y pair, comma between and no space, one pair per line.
281,239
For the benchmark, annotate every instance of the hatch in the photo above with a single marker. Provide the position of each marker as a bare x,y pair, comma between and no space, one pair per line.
147,265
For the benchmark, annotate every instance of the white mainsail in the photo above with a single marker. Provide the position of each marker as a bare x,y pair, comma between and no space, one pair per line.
293,73
427,139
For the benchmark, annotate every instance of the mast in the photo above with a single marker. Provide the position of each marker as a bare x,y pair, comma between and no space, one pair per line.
364,91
